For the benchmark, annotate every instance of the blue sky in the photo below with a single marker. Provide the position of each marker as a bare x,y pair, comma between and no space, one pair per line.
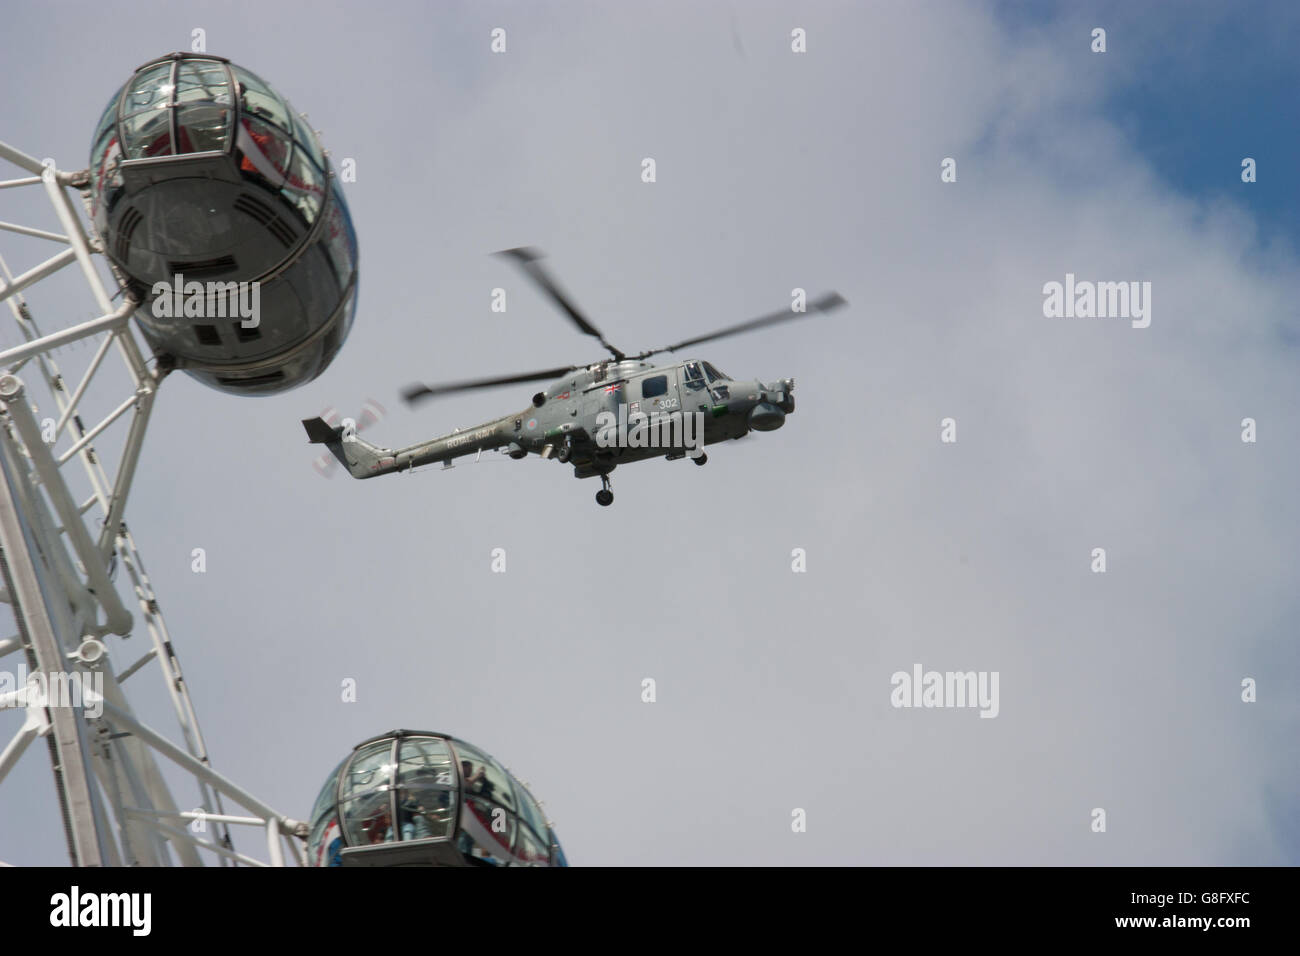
1197,86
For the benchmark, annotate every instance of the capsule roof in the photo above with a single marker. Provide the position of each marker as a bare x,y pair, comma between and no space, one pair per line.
184,103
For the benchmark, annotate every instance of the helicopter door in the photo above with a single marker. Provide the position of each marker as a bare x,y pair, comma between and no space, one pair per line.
656,394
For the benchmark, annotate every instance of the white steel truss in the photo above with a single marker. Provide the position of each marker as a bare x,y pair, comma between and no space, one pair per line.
59,558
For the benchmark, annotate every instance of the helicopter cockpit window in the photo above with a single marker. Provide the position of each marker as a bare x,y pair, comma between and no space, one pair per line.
692,376
654,385
714,374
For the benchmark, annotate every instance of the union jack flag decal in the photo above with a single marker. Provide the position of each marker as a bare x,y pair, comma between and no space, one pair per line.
613,388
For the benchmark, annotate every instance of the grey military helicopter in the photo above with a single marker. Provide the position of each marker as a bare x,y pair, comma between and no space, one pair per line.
598,416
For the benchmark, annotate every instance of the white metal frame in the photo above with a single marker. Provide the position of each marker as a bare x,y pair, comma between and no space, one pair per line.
59,559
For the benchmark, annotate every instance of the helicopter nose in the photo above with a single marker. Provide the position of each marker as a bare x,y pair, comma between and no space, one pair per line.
780,394
775,401
766,417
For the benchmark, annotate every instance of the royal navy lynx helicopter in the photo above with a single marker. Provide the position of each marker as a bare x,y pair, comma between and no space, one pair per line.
598,416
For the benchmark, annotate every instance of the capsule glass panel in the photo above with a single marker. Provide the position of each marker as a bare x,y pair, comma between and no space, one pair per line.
426,786
148,134
531,813
487,832
264,151
202,81
530,850
256,98
368,819
304,187
328,796
203,127
483,777
305,139
149,89
371,769
105,134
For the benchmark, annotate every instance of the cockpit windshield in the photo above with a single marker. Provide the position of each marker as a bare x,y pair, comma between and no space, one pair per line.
692,376
713,373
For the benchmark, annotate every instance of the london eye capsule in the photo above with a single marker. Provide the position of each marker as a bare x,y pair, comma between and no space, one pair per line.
415,798
217,203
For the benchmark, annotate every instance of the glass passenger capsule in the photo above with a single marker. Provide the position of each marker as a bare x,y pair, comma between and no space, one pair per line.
415,798
216,201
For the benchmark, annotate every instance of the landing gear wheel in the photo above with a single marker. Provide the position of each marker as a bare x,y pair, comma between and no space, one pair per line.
563,454
604,498
702,459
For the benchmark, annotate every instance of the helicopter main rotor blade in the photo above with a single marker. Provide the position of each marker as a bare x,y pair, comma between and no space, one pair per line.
415,393
832,300
528,261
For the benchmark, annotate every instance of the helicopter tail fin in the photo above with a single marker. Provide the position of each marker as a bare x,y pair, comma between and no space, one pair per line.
319,433
359,457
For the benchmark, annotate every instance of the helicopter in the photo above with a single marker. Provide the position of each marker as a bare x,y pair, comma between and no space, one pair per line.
597,416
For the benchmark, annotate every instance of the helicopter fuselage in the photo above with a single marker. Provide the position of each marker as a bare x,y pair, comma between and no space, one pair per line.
596,418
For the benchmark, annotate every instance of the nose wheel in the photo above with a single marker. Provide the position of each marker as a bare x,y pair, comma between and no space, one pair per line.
702,459
604,497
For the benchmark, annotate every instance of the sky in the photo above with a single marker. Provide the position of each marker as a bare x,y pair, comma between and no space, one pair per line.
1120,691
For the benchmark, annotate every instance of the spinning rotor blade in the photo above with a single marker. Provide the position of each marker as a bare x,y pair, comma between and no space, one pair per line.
831,300
414,393
528,261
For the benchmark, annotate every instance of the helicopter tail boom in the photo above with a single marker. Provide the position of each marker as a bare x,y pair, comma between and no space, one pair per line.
364,460
359,457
